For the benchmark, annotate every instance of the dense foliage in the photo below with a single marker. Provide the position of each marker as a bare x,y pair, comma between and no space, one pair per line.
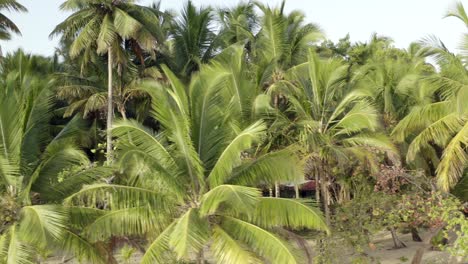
167,133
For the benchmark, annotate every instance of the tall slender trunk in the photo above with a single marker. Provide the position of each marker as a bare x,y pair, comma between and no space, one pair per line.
317,186
296,190
110,107
325,190
277,189
326,197
201,257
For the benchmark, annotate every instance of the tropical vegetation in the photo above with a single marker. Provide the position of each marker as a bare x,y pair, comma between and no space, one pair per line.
175,137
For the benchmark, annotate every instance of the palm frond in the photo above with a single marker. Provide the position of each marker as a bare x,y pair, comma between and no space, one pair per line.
117,197
240,199
126,222
189,235
228,250
454,160
231,156
159,251
280,212
40,223
16,251
276,166
439,133
107,35
81,249
259,240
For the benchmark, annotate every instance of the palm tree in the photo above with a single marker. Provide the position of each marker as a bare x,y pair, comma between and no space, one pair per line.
104,26
194,39
238,24
193,174
439,128
282,42
33,161
6,25
387,70
335,124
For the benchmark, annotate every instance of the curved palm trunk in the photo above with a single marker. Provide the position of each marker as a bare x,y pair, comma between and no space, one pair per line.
110,108
415,235
397,243
417,258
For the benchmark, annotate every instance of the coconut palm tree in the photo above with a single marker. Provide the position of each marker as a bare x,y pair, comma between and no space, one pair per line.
282,41
387,70
238,24
33,164
439,128
336,124
194,38
6,25
194,174
103,27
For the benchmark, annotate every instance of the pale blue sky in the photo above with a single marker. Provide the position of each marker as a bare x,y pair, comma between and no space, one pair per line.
403,20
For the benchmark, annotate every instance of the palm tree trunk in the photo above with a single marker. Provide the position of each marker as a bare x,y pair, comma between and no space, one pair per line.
397,243
123,113
417,258
110,108
296,190
415,235
317,186
326,197
325,190
277,190
201,257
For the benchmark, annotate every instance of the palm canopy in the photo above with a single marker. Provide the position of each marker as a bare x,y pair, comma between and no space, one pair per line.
6,25
33,160
391,75
441,122
191,172
334,121
283,40
238,24
194,39
98,25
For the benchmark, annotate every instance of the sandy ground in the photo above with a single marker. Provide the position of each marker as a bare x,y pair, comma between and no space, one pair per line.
382,254
385,254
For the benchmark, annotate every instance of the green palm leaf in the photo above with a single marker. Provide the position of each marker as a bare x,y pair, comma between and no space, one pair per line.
231,156
126,222
159,251
117,197
189,235
454,160
259,240
228,250
239,199
280,212
39,223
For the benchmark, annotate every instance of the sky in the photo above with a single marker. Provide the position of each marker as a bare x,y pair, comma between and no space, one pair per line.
404,21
